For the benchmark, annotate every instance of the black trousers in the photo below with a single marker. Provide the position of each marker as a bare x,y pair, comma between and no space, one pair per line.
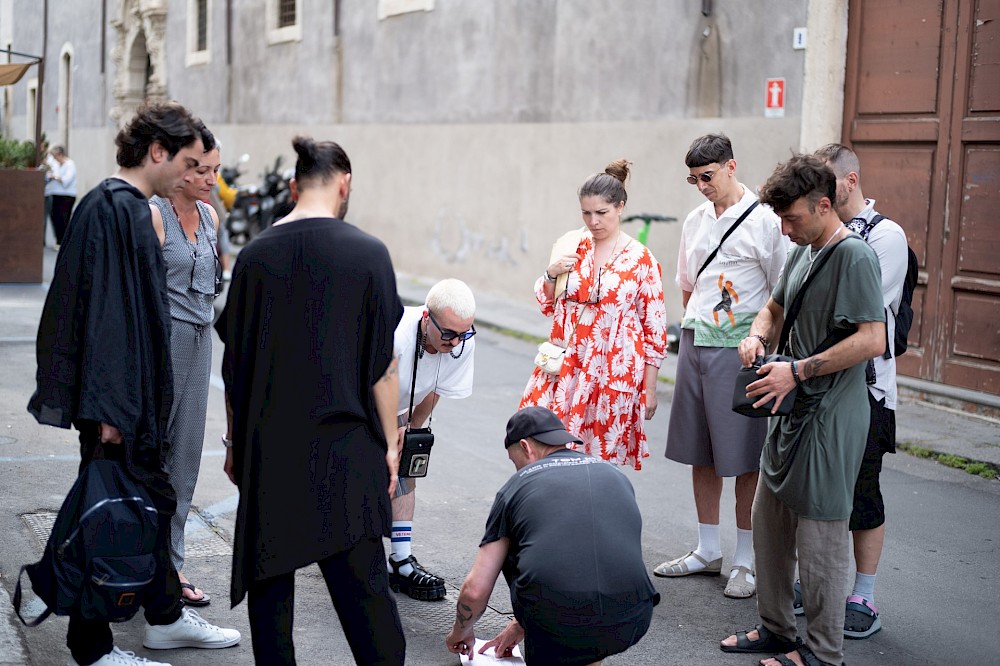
359,587
62,208
89,640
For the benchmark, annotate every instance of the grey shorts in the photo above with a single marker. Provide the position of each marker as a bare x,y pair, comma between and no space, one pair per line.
704,430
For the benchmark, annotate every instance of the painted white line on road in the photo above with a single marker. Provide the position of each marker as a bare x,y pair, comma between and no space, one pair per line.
207,453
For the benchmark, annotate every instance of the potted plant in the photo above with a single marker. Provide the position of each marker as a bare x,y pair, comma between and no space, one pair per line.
22,212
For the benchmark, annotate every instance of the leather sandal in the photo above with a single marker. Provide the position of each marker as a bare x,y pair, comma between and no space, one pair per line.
740,586
808,657
766,641
678,567
420,584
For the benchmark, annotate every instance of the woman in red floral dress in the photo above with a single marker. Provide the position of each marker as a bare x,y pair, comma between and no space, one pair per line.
612,321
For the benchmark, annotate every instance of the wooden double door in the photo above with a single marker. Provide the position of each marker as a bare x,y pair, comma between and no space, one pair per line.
922,111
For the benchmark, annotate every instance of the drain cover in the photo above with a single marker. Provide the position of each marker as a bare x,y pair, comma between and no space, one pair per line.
40,523
200,538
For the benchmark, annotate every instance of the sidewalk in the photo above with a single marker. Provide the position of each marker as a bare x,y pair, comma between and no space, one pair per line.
943,430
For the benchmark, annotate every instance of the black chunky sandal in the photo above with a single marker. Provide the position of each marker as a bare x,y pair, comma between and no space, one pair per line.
420,584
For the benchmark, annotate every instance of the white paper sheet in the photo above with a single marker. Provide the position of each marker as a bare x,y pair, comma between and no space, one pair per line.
489,657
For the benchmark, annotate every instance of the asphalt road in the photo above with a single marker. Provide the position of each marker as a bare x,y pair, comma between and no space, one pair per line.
937,586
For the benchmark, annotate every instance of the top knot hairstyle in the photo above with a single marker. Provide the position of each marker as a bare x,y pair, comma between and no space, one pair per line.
166,123
318,161
609,185
802,176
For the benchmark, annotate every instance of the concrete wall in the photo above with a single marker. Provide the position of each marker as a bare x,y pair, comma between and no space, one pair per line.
470,126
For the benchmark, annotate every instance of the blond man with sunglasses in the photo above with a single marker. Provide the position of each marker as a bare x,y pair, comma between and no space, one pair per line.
437,339
731,254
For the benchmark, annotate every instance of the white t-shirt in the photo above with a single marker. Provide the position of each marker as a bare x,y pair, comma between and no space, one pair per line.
439,373
738,282
889,242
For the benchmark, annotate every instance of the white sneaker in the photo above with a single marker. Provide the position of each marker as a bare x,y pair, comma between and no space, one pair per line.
189,631
120,658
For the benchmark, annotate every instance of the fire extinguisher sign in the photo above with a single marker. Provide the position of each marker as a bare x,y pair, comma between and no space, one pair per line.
774,98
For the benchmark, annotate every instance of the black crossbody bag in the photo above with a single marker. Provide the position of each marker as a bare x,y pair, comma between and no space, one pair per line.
417,442
744,405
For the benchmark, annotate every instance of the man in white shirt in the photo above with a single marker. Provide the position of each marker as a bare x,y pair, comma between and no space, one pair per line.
438,338
731,254
867,522
62,182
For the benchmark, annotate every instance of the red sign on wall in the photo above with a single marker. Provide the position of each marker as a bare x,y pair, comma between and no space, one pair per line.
774,98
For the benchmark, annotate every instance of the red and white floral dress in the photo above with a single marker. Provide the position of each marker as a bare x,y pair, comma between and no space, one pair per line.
613,323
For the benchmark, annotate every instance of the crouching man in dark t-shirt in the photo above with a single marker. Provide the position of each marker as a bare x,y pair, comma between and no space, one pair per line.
566,532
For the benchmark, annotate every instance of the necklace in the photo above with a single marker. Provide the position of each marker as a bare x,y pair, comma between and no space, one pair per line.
812,257
194,252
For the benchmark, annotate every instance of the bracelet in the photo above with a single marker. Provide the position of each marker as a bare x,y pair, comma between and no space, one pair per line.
795,374
547,277
762,339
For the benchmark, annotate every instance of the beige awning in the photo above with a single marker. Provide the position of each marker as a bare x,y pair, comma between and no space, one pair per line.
11,74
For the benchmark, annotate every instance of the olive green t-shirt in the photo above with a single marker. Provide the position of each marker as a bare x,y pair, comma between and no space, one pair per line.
811,458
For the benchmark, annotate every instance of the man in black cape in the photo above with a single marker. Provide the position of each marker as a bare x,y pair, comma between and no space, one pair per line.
312,385
104,355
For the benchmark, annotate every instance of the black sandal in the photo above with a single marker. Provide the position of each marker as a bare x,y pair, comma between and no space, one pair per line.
766,642
809,658
420,584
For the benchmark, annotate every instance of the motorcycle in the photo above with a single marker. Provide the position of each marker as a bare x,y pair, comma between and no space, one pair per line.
257,207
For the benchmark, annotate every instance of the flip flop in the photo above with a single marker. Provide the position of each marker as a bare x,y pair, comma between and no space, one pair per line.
204,601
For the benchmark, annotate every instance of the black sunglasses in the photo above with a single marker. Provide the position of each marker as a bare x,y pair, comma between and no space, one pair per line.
448,335
703,177
595,293
218,274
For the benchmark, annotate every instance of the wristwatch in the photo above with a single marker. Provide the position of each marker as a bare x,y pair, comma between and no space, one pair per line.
228,443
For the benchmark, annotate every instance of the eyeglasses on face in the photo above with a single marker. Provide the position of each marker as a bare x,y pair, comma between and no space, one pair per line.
449,335
705,177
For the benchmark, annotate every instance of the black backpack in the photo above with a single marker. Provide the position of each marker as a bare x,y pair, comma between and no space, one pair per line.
99,557
904,313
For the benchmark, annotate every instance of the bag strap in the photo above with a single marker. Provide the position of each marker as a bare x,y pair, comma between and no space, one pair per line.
793,311
413,383
413,379
17,603
726,235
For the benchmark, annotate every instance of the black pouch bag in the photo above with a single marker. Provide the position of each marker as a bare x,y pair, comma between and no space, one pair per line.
744,405
415,459
417,442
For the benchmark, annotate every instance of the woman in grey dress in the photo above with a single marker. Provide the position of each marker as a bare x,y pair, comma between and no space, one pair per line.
187,228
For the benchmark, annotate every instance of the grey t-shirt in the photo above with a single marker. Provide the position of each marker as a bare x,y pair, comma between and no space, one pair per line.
811,458
575,536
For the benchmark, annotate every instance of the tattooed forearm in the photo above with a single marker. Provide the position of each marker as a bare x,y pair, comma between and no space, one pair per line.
463,614
813,366
391,371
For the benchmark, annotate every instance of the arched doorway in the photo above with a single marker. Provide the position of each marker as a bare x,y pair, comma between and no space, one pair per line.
139,57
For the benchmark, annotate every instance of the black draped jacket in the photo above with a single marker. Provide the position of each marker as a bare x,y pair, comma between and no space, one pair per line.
103,344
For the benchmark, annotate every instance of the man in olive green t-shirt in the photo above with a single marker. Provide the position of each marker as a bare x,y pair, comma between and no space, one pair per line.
811,458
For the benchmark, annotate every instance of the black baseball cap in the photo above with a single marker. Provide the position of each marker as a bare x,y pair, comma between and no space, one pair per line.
540,424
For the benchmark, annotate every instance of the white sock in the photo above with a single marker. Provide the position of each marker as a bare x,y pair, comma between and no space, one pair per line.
744,549
402,534
709,546
864,586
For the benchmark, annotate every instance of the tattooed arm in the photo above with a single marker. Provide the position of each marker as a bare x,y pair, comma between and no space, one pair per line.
778,378
386,394
475,594
867,342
